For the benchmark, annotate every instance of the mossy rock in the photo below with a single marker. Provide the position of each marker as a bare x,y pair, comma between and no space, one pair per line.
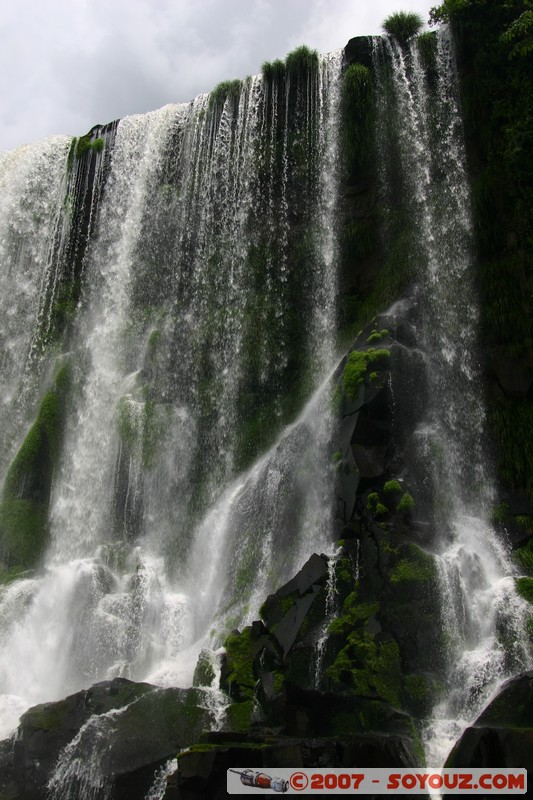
524,587
420,693
524,556
204,672
26,491
24,531
356,366
241,651
13,574
417,567
239,715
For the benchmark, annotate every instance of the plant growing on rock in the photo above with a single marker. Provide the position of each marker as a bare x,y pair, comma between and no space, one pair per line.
301,62
406,504
390,487
403,25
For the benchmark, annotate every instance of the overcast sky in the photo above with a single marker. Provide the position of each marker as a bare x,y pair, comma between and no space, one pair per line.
66,65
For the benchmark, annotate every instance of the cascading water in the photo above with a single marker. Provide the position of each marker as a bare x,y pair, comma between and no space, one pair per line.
198,297
33,186
482,616
190,287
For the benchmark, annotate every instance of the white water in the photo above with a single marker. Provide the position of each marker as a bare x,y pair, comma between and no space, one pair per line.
137,580
159,786
32,188
331,611
482,615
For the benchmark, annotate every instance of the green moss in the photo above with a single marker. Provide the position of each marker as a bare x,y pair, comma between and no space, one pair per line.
239,715
26,491
524,587
406,504
391,487
500,513
419,567
356,366
368,666
84,145
39,447
372,501
403,25
375,336
13,573
23,529
239,656
48,716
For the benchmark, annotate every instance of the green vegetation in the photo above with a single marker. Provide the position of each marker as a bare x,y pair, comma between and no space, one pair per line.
223,91
524,587
26,491
239,715
524,556
427,47
356,367
83,145
391,487
375,336
13,573
403,25
418,567
367,666
500,513
374,505
239,655
23,531
273,71
358,131
406,504
301,63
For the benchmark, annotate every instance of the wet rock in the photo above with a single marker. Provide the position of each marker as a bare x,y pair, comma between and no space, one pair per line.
202,769
149,726
502,736
315,570
359,50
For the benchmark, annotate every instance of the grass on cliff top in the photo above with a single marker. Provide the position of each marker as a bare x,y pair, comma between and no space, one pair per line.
403,25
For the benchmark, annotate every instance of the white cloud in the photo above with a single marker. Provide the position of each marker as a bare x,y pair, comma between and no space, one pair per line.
67,64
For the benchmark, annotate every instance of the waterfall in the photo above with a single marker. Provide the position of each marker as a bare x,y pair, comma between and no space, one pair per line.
191,445
482,616
33,187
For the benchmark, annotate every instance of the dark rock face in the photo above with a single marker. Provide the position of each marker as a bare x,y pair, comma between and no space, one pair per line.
202,769
150,725
502,736
359,50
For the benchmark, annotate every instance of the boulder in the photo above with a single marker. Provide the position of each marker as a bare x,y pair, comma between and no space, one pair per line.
202,769
502,735
116,730
359,50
